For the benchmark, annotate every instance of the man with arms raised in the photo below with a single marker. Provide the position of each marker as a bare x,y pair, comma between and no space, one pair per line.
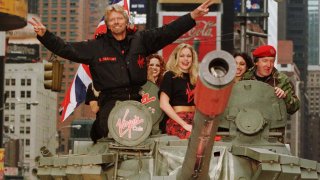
117,59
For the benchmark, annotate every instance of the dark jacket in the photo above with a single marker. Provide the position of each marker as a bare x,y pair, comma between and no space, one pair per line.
112,68
278,79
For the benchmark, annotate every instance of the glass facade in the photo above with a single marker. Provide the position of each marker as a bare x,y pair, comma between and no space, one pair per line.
297,31
313,42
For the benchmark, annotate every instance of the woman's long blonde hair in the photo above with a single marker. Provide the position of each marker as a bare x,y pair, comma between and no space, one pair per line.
172,64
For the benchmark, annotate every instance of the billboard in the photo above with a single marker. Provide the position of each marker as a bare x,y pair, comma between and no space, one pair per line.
205,36
22,53
138,6
251,5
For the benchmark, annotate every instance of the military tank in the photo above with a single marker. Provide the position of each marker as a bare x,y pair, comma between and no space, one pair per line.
247,116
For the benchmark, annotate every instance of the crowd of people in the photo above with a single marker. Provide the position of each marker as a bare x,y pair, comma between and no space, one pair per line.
121,61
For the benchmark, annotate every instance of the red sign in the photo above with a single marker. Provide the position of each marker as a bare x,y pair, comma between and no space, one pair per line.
11,171
204,36
1,163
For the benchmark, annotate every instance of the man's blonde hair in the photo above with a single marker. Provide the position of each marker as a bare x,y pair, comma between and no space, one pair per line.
116,8
173,63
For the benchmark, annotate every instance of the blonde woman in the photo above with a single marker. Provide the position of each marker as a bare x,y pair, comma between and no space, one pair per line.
176,90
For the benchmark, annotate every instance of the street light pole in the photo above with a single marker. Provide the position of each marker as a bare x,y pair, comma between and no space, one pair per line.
2,54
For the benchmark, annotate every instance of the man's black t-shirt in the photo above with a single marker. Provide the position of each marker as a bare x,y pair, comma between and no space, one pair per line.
179,90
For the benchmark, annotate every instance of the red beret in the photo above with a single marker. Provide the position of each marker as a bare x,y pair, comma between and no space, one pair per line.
264,51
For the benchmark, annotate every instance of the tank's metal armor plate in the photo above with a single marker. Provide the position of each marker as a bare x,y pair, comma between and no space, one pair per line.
130,123
150,99
259,98
249,121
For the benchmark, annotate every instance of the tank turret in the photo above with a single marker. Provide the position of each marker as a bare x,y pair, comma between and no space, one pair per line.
247,116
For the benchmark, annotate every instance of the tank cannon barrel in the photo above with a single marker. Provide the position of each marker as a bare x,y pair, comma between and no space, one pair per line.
214,85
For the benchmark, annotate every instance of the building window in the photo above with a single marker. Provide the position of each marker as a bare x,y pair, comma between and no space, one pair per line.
54,4
23,82
21,130
7,82
22,118
28,94
22,94
28,106
13,94
44,19
27,142
6,106
63,11
13,82
28,82
28,118
27,130
27,155
12,106
6,118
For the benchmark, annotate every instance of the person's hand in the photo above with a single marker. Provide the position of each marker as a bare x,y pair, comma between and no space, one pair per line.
203,9
187,127
279,93
38,27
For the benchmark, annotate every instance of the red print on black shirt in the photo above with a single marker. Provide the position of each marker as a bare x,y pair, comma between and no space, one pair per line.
189,93
140,61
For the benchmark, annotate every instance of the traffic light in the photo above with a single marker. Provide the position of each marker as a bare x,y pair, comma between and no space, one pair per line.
53,75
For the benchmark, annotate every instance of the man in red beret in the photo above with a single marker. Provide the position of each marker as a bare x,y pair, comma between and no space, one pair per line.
264,70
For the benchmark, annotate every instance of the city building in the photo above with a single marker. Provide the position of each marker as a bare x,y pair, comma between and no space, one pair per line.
313,125
286,65
293,27
313,31
313,84
297,21
29,117
29,114
33,6
72,20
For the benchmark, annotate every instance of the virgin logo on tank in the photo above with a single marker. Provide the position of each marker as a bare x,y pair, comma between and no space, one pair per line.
147,99
127,126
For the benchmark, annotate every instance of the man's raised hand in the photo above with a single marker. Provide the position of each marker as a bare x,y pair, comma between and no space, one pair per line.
38,27
203,9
